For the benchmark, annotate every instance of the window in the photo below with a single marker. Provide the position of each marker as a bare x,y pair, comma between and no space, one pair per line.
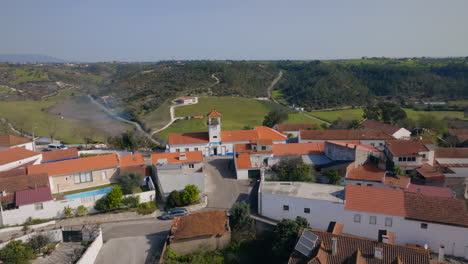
39,206
285,207
369,184
424,156
263,147
191,165
380,144
357,218
388,221
103,175
177,150
413,159
423,226
358,183
215,136
196,149
404,158
307,210
84,176
373,220
400,159
187,149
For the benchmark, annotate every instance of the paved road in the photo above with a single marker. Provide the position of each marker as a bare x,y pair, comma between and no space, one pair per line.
222,187
133,242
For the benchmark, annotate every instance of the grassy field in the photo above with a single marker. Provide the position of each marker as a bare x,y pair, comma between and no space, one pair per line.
298,118
22,76
28,114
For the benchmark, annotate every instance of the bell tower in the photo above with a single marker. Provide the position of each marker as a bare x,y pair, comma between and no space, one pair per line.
214,126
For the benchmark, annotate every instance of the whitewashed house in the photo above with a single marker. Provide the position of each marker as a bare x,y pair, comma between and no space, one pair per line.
292,130
10,141
13,158
394,131
375,138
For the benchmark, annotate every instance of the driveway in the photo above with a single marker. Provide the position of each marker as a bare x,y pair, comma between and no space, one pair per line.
222,187
133,242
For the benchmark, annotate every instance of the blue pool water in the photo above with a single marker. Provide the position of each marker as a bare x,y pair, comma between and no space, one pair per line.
90,193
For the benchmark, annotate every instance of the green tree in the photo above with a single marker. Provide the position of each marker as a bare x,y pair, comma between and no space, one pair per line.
131,201
128,181
101,205
294,170
174,199
430,122
274,117
285,236
386,112
239,217
333,177
190,194
16,252
81,210
114,197
37,242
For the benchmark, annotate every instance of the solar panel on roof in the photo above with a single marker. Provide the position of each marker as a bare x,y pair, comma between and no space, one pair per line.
306,243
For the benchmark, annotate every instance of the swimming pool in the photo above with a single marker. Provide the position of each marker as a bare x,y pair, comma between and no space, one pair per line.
89,193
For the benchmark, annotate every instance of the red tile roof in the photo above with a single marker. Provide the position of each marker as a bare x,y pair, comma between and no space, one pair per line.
264,132
430,173
373,124
238,135
460,134
374,200
451,153
61,154
247,148
366,172
10,140
200,224
436,209
131,160
293,127
354,144
400,182
188,138
38,195
430,190
298,149
344,134
16,154
76,165
14,172
214,113
407,148
243,161
23,182
175,157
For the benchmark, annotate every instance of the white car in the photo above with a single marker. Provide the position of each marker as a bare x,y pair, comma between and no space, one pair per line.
56,146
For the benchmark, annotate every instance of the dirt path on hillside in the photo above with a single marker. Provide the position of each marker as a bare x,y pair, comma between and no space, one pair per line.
173,117
272,84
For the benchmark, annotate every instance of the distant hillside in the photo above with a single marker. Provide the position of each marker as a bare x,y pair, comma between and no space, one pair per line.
29,58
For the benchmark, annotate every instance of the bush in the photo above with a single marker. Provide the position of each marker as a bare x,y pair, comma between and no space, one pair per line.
81,210
174,199
101,205
146,208
38,241
128,181
333,177
190,194
16,252
114,198
240,216
68,212
131,201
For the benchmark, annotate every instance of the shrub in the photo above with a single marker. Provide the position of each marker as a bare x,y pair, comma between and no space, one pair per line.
333,177
114,198
146,208
101,205
68,212
38,241
16,252
240,216
128,181
174,199
131,201
81,210
190,194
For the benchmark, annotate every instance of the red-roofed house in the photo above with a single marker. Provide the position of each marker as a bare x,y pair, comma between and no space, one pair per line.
75,174
59,155
12,158
453,164
292,130
10,141
394,131
365,137
216,142
410,154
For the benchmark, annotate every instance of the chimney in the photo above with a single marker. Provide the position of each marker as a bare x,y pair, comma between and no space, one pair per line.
334,246
378,253
182,156
441,253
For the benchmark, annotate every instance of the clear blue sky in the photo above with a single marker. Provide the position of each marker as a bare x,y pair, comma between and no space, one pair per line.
144,30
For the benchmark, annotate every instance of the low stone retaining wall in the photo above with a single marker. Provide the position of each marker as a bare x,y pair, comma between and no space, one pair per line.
54,235
17,228
91,253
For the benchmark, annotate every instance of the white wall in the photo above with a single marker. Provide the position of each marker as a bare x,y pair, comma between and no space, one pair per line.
402,134
242,174
363,142
18,163
91,253
55,235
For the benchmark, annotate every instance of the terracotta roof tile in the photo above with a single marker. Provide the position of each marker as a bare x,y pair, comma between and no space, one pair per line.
23,182
344,134
366,172
436,209
247,148
408,148
238,135
10,140
428,190
194,225
430,173
243,161
354,144
61,154
131,160
15,154
41,194
188,138
373,124
76,165
375,200
460,134
293,127
451,153
400,182
214,113
178,157
298,149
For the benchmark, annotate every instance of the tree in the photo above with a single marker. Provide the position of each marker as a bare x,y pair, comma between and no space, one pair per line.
37,242
430,122
81,210
274,117
16,252
285,235
127,181
240,216
131,201
101,204
114,197
333,177
293,169
190,194
386,112
68,212
174,199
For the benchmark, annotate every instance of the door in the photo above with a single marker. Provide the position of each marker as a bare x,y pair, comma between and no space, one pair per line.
207,151
215,151
72,236
254,174
223,150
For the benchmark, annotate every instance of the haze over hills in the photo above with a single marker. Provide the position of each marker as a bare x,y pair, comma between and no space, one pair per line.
29,58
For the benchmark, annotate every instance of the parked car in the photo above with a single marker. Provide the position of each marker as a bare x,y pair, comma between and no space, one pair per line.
173,213
56,146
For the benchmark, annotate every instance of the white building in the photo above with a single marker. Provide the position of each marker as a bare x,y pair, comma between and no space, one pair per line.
216,142
375,138
414,218
394,131
10,141
410,154
12,158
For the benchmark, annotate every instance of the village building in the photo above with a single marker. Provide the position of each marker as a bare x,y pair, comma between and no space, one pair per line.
206,231
174,171
453,164
292,130
186,100
11,141
375,138
394,131
410,154
414,218
13,158
216,142
59,155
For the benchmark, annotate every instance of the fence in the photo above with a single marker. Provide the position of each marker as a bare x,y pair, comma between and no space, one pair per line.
91,253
